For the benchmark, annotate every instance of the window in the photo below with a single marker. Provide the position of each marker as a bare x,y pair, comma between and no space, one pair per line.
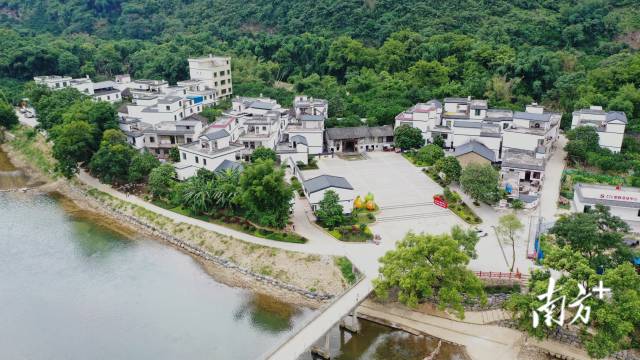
477,112
638,212
158,151
167,107
536,125
224,91
222,82
152,139
179,103
197,160
228,71
108,97
505,125
184,156
587,208
189,140
264,128
204,162
221,73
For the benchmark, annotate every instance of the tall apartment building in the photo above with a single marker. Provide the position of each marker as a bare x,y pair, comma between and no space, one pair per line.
215,71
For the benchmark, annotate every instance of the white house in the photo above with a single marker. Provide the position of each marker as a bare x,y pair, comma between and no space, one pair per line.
208,152
623,202
609,124
423,116
532,130
315,188
99,91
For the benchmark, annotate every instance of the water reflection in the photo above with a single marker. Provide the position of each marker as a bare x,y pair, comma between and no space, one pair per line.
10,176
267,314
378,342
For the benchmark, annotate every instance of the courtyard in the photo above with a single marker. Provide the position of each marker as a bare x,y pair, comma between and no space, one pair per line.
404,195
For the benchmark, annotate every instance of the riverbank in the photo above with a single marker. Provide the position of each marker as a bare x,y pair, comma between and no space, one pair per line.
290,276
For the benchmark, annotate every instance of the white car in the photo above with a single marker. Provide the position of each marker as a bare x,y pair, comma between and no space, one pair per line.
481,233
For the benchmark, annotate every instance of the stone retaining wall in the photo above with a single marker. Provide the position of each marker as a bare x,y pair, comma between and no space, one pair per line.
226,263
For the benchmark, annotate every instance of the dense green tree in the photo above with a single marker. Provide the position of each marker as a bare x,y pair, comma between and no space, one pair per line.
263,153
112,160
480,182
174,154
74,143
99,113
597,235
429,154
52,107
8,117
407,137
141,165
198,195
162,181
450,167
425,266
330,211
467,238
264,194
613,322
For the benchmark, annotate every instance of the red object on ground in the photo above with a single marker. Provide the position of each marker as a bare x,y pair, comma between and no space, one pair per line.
438,200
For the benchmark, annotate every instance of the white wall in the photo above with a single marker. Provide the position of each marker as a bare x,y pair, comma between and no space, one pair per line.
515,140
346,198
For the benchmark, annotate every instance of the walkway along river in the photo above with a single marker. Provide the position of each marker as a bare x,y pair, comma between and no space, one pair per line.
74,285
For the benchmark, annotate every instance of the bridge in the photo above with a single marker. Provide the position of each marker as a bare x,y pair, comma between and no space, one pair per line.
291,348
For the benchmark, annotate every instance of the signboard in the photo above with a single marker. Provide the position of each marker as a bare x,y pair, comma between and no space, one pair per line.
619,196
438,200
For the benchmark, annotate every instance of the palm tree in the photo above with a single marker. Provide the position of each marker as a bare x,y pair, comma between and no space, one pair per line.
199,195
226,189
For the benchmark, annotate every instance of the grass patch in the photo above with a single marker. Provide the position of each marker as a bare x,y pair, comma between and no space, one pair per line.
346,267
26,142
460,208
352,233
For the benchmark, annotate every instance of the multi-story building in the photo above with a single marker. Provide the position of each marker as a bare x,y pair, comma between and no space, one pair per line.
215,72
609,124
532,130
307,123
210,151
424,116
99,91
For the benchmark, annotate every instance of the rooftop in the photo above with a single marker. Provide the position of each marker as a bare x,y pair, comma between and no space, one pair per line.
324,182
216,135
521,159
475,147
358,132
532,116
609,195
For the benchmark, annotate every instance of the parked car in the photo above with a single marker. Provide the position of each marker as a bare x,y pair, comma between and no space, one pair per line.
481,233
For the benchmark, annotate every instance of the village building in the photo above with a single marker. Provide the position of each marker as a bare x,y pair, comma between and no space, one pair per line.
610,125
423,116
99,91
359,139
623,202
532,130
215,72
522,174
474,152
209,151
315,188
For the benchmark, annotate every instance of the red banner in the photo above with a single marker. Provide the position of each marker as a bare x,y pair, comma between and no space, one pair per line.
440,202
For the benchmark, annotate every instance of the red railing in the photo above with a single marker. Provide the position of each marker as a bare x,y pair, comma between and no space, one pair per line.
501,275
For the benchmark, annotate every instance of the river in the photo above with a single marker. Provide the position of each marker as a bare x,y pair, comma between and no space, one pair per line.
74,285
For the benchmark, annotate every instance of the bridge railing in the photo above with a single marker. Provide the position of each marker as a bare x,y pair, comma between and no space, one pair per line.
284,341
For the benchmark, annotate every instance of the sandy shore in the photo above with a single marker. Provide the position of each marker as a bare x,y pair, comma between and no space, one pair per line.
300,270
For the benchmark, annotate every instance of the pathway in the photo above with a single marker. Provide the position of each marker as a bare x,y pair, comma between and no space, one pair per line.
483,342
548,207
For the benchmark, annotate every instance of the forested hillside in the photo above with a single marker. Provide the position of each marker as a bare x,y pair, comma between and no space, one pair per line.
370,58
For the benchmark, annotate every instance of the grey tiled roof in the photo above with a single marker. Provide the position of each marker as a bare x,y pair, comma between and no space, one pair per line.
299,139
476,147
308,117
326,181
228,164
262,105
457,100
521,159
358,132
532,116
616,116
216,134
467,124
